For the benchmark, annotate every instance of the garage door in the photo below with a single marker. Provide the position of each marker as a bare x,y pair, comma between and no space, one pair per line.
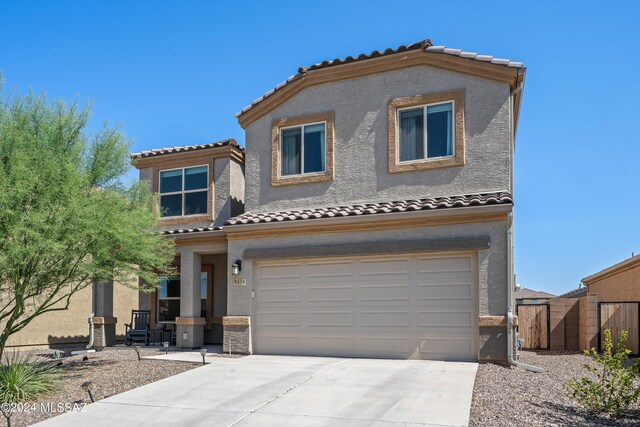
405,307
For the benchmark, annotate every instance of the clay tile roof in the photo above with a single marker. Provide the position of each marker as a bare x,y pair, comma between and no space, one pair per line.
485,199
426,45
526,293
160,151
574,293
179,231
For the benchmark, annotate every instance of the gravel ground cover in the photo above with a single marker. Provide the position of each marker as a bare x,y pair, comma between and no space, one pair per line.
111,371
513,397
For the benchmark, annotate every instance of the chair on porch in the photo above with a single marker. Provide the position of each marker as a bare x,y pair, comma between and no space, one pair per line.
138,329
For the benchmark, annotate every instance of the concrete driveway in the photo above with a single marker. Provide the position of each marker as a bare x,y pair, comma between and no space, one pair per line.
293,391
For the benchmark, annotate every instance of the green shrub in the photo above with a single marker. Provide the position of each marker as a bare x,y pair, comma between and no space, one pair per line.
25,377
612,387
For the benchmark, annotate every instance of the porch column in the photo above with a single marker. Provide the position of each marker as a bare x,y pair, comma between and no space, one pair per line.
190,326
104,324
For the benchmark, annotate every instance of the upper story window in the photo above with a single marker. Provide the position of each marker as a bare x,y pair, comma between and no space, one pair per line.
426,131
302,149
184,191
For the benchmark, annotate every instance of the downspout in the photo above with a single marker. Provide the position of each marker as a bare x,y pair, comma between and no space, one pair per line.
90,320
510,277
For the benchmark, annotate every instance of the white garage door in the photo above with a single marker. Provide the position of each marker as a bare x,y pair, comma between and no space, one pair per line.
406,307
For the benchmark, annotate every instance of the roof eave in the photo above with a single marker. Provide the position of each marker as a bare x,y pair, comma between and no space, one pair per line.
353,219
627,264
263,105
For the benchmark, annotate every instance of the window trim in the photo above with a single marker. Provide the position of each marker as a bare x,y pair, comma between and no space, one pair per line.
205,269
396,105
182,192
301,127
425,131
158,299
278,125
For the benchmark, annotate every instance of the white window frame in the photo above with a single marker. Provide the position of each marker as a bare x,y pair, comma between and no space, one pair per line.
158,299
322,172
425,139
183,192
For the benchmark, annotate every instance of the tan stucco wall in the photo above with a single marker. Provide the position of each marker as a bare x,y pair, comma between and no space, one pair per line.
618,287
70,326
125,299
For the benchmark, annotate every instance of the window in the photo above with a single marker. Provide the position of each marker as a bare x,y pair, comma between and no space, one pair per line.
184,191
203,294
419,142
303,150
169,298
426,131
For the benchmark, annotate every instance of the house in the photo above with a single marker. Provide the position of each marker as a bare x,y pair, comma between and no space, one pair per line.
618,283
609,299
529,296
370,215
616,291
71,327
575,293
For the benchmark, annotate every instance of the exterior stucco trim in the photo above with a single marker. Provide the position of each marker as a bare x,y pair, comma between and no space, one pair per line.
105,320
382,64
458,159
406,246
328,175
191,321
236,320
496,321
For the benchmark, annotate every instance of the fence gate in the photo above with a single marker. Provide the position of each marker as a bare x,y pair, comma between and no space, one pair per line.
533,326
619,316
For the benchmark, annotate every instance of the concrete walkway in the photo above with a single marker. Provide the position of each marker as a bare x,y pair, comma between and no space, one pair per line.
293,391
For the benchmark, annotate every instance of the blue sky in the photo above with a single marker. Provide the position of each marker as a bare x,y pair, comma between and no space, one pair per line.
175,73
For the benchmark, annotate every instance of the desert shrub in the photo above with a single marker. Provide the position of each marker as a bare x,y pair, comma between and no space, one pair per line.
612,386
25,377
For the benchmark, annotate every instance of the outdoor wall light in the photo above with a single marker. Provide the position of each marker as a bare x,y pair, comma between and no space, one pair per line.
165,344
203,353
236,268
88,386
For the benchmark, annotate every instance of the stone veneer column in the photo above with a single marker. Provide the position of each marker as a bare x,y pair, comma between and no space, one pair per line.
190,326
237,334
104,324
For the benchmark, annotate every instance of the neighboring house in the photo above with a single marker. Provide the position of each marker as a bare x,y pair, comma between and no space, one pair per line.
618,283
70,327
616,290
610,299
575,293
377,213
529,296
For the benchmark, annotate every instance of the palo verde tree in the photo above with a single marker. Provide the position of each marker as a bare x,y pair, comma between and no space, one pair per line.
66,218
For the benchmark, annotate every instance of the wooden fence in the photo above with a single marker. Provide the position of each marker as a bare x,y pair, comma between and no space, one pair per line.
533,326
564,324
621,316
